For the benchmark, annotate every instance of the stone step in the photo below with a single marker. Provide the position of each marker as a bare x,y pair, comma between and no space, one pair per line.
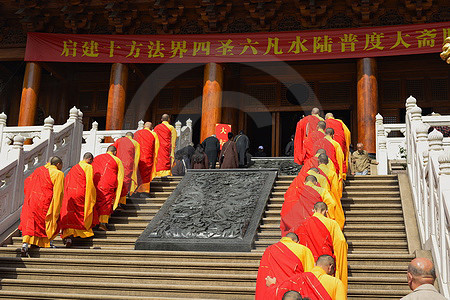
368,219
147,205
388,245
162,188
351,206
131,289
370,194
136,212
353,212
347,228
381,200
370,177
383,182
371,188
137,200
349,235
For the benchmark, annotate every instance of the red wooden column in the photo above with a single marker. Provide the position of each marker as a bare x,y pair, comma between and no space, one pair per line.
30,91
116,96
367,102
212,99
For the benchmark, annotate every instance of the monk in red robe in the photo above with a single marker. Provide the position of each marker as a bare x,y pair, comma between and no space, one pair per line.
167,139
149,146
341,135
332,149
39,220
128,151
281,261
303,129
77,211
297,209
108,182
324,236
309,142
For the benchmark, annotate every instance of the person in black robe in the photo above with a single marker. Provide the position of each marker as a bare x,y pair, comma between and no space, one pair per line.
260,152
242,144
289,151
200,159
180,165
228,155
211,145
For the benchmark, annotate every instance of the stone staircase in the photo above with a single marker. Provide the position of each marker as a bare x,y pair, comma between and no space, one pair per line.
107,267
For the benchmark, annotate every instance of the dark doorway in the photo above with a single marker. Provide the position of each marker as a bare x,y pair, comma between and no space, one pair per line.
259,131
195,125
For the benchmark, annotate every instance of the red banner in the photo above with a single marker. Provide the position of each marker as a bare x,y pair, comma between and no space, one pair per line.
222,133
242,47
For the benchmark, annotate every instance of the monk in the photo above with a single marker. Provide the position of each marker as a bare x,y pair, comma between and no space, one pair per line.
281,261
149,147
332,177
228,157
324,270
77,211
39,220
167,136
332,149
108,182
304,127
324,236
341,135
295,211
128,151
309,142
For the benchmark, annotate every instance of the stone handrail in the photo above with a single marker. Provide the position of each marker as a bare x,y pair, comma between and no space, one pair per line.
94,139
428,165
18,161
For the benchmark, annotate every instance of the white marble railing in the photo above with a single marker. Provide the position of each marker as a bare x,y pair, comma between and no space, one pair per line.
17,161
429,174
94,139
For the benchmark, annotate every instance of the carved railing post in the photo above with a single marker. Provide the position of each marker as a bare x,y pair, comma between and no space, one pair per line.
78,139
379,129
189,125
91,140
47,133
140,125
2,126
422,137
410,103
73,118
382,156
178,128
16,153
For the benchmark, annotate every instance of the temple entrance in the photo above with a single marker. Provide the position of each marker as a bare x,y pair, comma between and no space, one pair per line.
259,131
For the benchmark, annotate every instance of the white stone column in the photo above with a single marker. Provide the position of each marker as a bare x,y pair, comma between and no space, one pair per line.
47,134
2,126
382,157
16,153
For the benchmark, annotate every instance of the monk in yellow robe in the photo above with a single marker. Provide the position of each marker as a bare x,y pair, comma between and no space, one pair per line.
281,261
341,135
324,236
167,136
333,179
297,208
324,270
77,211
149,147
329,133
39,219
129,152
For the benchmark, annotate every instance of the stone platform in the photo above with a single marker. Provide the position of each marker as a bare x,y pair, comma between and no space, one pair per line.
285,165
211,210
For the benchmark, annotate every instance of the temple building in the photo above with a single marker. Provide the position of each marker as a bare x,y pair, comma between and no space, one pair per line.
364,65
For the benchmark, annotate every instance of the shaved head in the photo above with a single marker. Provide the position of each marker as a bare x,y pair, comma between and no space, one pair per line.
321,207
329,115
292,236
320,151
329,131
55,160
148,125
88,155
165,117
327,263
311,178
420,271
315,170
292,295
112,149
323,159
315,111
321,125
130,134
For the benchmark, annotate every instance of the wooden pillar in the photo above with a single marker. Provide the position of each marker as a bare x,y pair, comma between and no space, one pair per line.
30,91
367,105
116,96
212,99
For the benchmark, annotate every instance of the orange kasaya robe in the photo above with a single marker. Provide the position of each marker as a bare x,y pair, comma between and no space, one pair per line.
39,220
128,151
149,145
167,139
297,209
335,186
282,260
339,156
342,135
303,129
308,143
323,236
77,211
307,284
330,150
108,182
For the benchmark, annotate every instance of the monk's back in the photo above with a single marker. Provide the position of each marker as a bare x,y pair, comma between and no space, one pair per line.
105,171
